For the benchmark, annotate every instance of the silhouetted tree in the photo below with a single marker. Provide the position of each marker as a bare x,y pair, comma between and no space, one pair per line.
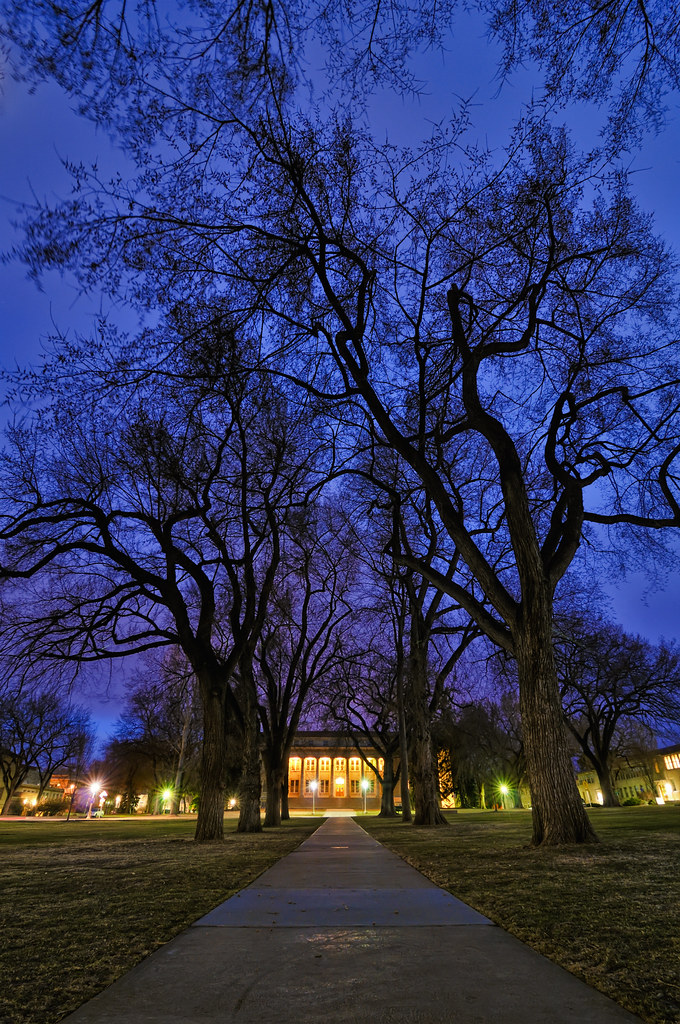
501,324
158,735
302,642
610,679
150,506
41,729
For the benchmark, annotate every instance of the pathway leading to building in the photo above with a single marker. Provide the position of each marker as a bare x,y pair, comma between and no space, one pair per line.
343,930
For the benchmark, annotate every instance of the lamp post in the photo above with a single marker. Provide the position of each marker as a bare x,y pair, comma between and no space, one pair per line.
364,789
504,792
313,785
94,790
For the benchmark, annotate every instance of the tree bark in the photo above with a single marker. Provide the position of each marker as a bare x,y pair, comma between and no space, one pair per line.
558,812
285,811
250,788
421,761
609,797
274,773
387,809
179,773
403,749
9,797
210,823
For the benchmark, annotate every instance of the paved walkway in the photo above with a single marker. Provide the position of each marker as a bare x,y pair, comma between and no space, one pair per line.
342,930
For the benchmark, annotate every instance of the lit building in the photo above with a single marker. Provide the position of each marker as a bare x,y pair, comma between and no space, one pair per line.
655,777
326,771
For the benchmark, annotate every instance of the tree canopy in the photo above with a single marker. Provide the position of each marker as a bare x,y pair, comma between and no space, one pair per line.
498,329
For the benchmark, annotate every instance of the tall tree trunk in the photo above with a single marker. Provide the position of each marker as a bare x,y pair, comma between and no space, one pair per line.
210,823
274,772
421,761
179,774
558,812
285,810
250,788
403,748
387,799
609,797
11,790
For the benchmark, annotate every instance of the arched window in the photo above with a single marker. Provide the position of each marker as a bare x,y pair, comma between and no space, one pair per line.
294,770
355,776
310,774
324,776
339,777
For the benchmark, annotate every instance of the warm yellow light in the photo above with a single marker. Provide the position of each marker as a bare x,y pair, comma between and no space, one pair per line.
339,781
504,790
167,793
365,784
314,786
94,788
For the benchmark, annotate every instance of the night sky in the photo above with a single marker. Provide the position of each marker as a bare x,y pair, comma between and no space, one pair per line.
37,131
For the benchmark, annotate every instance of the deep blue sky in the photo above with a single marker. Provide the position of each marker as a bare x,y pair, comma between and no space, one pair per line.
38,131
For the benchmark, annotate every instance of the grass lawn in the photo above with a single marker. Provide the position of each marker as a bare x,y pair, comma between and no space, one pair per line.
84,901
609,913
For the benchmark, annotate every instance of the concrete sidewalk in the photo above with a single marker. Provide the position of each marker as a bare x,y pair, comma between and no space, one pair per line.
342,930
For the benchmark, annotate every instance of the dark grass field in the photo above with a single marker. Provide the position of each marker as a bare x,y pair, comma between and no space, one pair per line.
82,902
609,913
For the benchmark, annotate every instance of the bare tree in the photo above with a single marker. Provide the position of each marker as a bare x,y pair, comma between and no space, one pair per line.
40,729
610,680
153,518
618,55
159,732
303,641
501,324
624,57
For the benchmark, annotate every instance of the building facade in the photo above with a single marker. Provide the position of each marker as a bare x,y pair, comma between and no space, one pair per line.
656,777
326,772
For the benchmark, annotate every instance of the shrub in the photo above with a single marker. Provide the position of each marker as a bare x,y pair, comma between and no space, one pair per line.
632,801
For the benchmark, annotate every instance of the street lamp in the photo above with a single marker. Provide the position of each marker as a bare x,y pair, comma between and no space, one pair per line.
313,785
165,797
94,790
504,792
364,787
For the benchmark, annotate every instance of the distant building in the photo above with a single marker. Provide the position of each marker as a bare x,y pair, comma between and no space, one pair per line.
27,799
654,777
326,771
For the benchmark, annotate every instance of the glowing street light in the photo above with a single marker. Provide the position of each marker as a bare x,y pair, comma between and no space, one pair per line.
364,786
504,792
313,785
166,795
94,791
